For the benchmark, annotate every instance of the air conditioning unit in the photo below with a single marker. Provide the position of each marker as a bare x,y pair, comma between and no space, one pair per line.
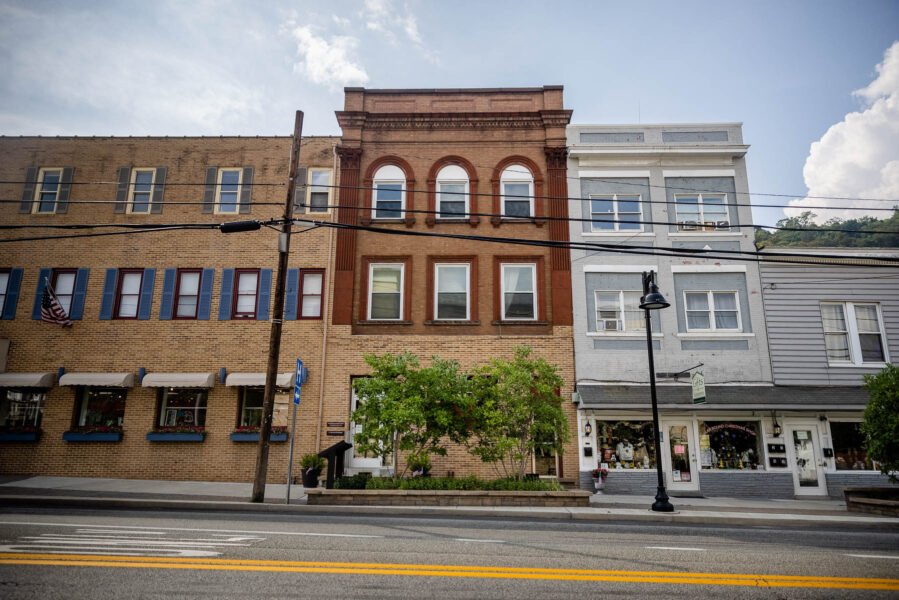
610,325
688,225
722,224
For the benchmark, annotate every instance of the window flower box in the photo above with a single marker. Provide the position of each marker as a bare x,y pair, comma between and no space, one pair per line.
177,434
251,434
20,434
94,434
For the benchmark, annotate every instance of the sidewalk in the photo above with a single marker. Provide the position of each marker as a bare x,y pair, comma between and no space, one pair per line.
214,496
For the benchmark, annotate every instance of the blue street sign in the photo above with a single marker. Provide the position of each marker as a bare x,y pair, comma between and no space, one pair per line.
300,377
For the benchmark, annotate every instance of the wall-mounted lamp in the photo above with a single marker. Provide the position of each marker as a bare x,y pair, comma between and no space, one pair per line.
777,429
823,418
588,428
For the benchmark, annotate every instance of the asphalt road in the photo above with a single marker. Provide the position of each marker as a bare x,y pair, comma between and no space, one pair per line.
51,553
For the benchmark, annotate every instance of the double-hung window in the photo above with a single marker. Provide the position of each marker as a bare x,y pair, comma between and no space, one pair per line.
63,284
853,333
128,295
187,293
701,212
319,190
451,291
619,311
615,212
517,185
712,311
452,193
246,292
310,302
385,295
47,191
389,192
140,192
519,292
227,196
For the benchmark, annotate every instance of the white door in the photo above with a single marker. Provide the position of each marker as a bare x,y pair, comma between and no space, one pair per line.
357,461
806,462
680,457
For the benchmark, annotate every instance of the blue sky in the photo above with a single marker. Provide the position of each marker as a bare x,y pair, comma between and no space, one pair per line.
787,70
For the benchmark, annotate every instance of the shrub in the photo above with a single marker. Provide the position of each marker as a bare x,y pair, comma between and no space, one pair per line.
881,424
460,484
352,482
312,461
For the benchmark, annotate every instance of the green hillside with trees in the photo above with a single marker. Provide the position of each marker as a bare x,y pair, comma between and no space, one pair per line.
816,235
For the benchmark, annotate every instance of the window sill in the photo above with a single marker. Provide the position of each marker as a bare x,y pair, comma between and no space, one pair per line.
383,322
641,336
407,221
714,335
872,365
690,234
176,437
8,436
74,436
254,437
521,322
618,234
450,322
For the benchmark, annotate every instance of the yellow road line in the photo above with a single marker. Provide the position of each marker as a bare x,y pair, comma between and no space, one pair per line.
733,579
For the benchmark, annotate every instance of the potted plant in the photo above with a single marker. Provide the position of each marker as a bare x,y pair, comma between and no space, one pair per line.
599,477
312,465
419,464
94,433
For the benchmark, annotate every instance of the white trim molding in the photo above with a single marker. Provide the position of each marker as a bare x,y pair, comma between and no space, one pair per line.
626,174
699,173
708,268
619,268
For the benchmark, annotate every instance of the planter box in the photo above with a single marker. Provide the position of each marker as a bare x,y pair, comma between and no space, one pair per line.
446,498
176,437
73,436
19,437
875,500
254,437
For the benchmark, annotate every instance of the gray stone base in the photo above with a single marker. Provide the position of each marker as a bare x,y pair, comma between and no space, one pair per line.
837,482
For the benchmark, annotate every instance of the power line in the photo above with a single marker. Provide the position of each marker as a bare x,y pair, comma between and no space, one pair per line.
166,203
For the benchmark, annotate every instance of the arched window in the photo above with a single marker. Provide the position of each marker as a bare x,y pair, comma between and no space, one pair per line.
517,187
389,185
452,193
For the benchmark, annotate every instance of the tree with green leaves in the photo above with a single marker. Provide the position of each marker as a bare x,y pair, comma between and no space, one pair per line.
408,408
519,412
881,424
881,232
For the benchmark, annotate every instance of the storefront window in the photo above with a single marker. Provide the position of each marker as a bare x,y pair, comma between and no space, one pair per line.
730,445
102,407
625,444
848,450
21,408
251,408
183,407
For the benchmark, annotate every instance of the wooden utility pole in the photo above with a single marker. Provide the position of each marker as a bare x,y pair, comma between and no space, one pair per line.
274,344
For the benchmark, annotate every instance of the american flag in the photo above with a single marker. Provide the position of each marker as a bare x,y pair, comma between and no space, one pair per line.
51,310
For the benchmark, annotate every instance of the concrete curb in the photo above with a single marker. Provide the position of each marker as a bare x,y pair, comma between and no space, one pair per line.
614,515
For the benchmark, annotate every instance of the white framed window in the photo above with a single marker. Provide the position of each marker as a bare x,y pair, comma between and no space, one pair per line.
517,186
63,282
712,311
47,191
389,193
452,193
853,333
318,192
615,212
140,192
227,193
385,291
246,293
452,296
128,293
619,311
701,212
187,293
519,290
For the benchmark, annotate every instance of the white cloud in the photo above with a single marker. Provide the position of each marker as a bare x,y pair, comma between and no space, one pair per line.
325,61
384,17
858,157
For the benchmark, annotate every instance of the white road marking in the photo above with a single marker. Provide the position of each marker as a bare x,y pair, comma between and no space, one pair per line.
675,548
49,539
163,552
482,541
300,533
873,556
122,532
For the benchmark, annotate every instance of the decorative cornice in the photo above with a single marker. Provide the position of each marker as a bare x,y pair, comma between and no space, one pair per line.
556,157
485,120
556,118
350,158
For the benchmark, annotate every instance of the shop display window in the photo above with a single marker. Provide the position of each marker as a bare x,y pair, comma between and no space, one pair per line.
625,445
848,447
251,408
730,445
183,407
101,407
21,408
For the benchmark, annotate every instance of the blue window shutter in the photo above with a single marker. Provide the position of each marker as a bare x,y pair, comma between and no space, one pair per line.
65,188
12,293
204,308
42,279
225,297
168,294
108,303
290,297
265,294
146,294
79,294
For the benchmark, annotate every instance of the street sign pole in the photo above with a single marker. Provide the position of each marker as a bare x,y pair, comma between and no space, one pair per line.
297,387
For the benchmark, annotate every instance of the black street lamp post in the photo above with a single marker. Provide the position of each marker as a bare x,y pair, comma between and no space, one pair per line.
653,300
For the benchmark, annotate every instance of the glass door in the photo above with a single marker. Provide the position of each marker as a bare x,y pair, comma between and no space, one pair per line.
807,466
680,467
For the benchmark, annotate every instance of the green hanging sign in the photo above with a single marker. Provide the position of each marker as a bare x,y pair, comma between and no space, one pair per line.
698,382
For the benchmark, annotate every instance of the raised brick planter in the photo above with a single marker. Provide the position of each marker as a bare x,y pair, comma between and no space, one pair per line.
446,498
878,501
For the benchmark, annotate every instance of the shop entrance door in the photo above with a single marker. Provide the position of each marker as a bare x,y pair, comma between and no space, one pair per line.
806,465
357,461
679,456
